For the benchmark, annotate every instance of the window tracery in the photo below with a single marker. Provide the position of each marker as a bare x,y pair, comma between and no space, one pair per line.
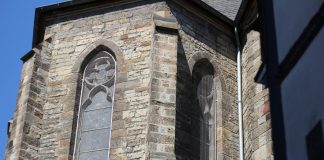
95,112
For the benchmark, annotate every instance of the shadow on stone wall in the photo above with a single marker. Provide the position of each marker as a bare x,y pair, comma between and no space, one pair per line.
184,100
192,131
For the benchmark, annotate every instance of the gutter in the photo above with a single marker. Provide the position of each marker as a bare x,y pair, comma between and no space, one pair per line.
245,6
239,93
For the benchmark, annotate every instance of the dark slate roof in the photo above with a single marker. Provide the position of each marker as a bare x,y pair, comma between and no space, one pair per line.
227,7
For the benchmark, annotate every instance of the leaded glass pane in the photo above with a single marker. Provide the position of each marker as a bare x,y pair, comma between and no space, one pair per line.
94,140
97,155
96,119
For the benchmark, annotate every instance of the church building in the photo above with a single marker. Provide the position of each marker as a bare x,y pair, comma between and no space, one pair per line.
140,80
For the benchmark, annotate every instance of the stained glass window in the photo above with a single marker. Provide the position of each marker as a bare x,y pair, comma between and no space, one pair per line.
95,112
203,79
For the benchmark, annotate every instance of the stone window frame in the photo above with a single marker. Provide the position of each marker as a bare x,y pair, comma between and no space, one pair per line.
219,87
77,70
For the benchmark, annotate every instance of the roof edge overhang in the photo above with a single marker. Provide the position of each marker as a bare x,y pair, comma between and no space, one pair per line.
241,11
214,12
74,7
210,15
244,9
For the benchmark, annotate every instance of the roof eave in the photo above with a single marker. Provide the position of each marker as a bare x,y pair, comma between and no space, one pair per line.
239,16
40,11
214,12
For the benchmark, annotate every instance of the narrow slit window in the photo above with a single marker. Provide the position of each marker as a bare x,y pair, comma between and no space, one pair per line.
205,119
96,107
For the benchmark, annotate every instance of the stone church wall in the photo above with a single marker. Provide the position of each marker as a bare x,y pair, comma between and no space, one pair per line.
153,77
161,135
26,129
199,40
130,28
256,111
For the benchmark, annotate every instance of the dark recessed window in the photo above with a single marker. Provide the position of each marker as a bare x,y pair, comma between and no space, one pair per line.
204,121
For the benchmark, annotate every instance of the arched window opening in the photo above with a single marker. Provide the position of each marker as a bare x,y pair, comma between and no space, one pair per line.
96,107
205,123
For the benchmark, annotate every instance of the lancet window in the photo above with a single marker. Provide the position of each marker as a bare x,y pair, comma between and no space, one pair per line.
96,108
203,82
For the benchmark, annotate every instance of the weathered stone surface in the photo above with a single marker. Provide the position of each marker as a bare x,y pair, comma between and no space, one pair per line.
24,141
153,103
199,41
161,135
257,128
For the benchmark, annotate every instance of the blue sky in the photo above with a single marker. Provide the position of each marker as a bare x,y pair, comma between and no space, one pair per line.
16,28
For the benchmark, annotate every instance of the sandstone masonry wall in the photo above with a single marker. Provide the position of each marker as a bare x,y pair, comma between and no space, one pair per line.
130,27
256,111
24,140
163,97
16,132
153,78
200,40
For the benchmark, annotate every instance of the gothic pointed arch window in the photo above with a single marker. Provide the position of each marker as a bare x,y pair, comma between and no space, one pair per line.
96,107
205,123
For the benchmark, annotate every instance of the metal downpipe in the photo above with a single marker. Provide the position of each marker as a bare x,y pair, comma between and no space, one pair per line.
239,94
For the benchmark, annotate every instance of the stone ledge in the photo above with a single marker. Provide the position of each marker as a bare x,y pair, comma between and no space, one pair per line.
169,23
36,50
